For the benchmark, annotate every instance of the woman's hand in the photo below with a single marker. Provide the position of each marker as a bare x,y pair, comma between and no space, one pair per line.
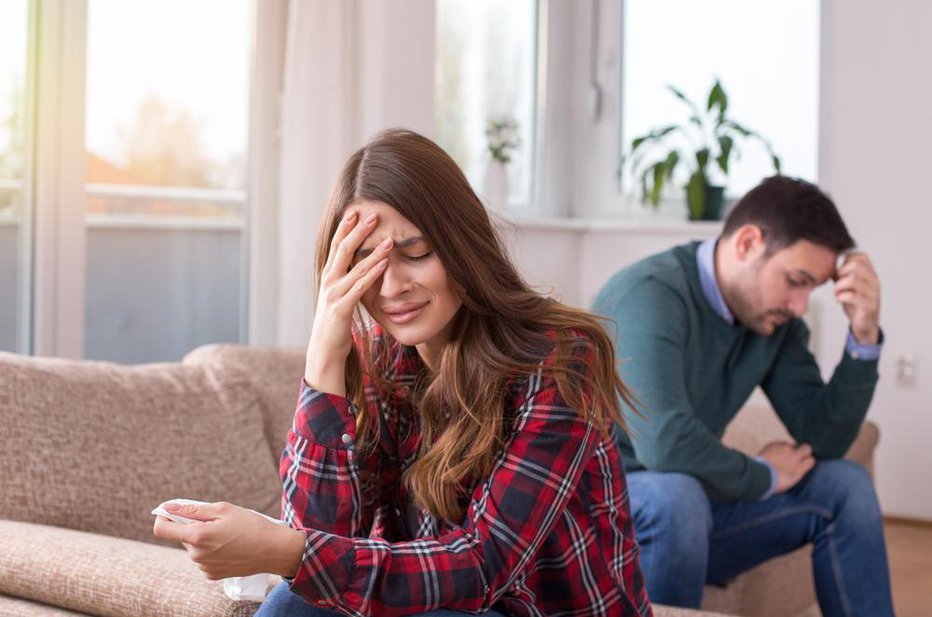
230,541
342,285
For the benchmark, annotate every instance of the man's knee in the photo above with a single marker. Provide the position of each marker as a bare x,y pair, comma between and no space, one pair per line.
672,504
842,485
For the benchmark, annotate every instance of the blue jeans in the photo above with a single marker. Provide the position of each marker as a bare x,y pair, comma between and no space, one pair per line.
282,603
686,540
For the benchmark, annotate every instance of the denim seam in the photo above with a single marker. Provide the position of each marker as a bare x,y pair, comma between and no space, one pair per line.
806,509
836,571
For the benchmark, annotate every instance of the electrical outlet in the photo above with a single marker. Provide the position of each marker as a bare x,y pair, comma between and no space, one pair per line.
906,368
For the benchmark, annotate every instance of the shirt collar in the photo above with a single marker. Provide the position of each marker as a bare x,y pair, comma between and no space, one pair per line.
705,260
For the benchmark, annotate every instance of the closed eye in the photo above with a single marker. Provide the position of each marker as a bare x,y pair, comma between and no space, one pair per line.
420,257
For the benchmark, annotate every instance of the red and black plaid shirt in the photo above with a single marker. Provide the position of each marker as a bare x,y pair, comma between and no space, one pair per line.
547,532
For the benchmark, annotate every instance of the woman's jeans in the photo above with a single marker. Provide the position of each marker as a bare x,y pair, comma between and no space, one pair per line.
687,541
282,603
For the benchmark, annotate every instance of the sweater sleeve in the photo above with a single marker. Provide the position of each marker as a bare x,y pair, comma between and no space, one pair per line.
653,327
824,415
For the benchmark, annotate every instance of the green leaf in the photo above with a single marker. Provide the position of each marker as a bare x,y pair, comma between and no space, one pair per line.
695,194
718,98
740,129
702,158
654,136
658,183
725,143
679,94
776,162
670,164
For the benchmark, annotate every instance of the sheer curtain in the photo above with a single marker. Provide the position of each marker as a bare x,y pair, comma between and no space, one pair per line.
318,132
351,69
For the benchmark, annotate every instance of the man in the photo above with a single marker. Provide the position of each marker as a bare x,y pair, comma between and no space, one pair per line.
700,326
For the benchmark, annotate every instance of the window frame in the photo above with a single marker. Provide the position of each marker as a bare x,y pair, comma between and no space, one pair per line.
53,252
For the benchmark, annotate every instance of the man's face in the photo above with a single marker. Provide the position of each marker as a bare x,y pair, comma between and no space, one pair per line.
767,291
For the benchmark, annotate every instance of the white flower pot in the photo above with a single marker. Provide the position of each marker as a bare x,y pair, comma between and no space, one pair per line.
495,186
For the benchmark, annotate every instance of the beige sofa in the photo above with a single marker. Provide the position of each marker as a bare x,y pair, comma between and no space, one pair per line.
88,449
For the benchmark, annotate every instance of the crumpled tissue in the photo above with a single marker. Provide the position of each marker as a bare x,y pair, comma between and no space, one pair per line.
251,587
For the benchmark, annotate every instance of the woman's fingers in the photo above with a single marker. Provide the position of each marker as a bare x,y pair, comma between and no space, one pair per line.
345,226
363,269
341,254
365,281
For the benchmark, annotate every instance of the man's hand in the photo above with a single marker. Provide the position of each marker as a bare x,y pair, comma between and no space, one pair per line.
227,540
857,288
790,462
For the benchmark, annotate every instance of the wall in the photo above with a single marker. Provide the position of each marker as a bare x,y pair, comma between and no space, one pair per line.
876,130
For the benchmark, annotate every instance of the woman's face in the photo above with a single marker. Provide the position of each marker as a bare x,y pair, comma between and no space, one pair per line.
413,299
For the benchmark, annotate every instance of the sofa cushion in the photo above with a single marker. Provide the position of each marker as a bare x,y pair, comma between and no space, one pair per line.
99,575
17,607
276,374
95,446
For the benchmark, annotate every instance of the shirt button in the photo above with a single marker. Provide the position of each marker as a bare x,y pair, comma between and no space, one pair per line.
856,355
346,438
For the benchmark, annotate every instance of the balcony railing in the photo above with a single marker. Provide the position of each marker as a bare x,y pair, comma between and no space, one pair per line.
157,285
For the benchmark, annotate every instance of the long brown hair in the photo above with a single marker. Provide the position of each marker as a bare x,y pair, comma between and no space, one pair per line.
502,331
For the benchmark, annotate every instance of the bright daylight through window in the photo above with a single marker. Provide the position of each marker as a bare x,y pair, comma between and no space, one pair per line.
166,134
486,63
766,55
14,27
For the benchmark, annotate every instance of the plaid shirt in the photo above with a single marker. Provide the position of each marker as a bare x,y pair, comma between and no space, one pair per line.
547,532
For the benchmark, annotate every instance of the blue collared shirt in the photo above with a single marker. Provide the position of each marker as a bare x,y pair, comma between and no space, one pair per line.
705,259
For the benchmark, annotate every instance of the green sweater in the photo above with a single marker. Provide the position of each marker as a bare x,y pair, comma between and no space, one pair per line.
692,372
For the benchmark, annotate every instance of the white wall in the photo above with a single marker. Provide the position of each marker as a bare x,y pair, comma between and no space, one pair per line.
876,130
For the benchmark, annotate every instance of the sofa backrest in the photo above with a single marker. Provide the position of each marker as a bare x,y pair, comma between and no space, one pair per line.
275,373
95,446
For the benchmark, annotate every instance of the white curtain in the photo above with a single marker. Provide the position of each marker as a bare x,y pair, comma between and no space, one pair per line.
351,68
317,135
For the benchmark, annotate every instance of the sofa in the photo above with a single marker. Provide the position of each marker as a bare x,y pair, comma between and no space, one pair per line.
89,448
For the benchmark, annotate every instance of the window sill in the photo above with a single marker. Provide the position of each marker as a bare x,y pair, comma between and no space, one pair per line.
639,225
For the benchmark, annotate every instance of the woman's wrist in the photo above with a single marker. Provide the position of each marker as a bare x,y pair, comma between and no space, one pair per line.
289,553
326,375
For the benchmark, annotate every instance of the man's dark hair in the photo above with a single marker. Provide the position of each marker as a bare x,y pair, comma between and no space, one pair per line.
789,210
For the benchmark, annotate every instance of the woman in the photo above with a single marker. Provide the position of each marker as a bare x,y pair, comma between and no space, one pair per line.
453,446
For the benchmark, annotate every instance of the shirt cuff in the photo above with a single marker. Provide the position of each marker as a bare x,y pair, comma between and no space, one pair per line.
326,419
773,477
863,352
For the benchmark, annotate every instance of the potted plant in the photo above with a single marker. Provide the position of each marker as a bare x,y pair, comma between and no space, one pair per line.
692,150
502,140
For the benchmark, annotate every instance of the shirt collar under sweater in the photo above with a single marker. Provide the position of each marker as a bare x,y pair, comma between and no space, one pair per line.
705,260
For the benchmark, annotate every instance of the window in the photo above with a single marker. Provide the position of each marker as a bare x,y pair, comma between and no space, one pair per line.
14,275
766,55
486,64
166,138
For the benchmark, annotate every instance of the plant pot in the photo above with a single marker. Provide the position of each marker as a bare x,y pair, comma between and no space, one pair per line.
495,186
711,207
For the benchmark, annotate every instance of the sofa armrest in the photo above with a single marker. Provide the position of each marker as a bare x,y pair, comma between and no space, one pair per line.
862,450
103,575
757,425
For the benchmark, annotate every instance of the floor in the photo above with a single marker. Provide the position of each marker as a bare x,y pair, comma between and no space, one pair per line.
909,546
